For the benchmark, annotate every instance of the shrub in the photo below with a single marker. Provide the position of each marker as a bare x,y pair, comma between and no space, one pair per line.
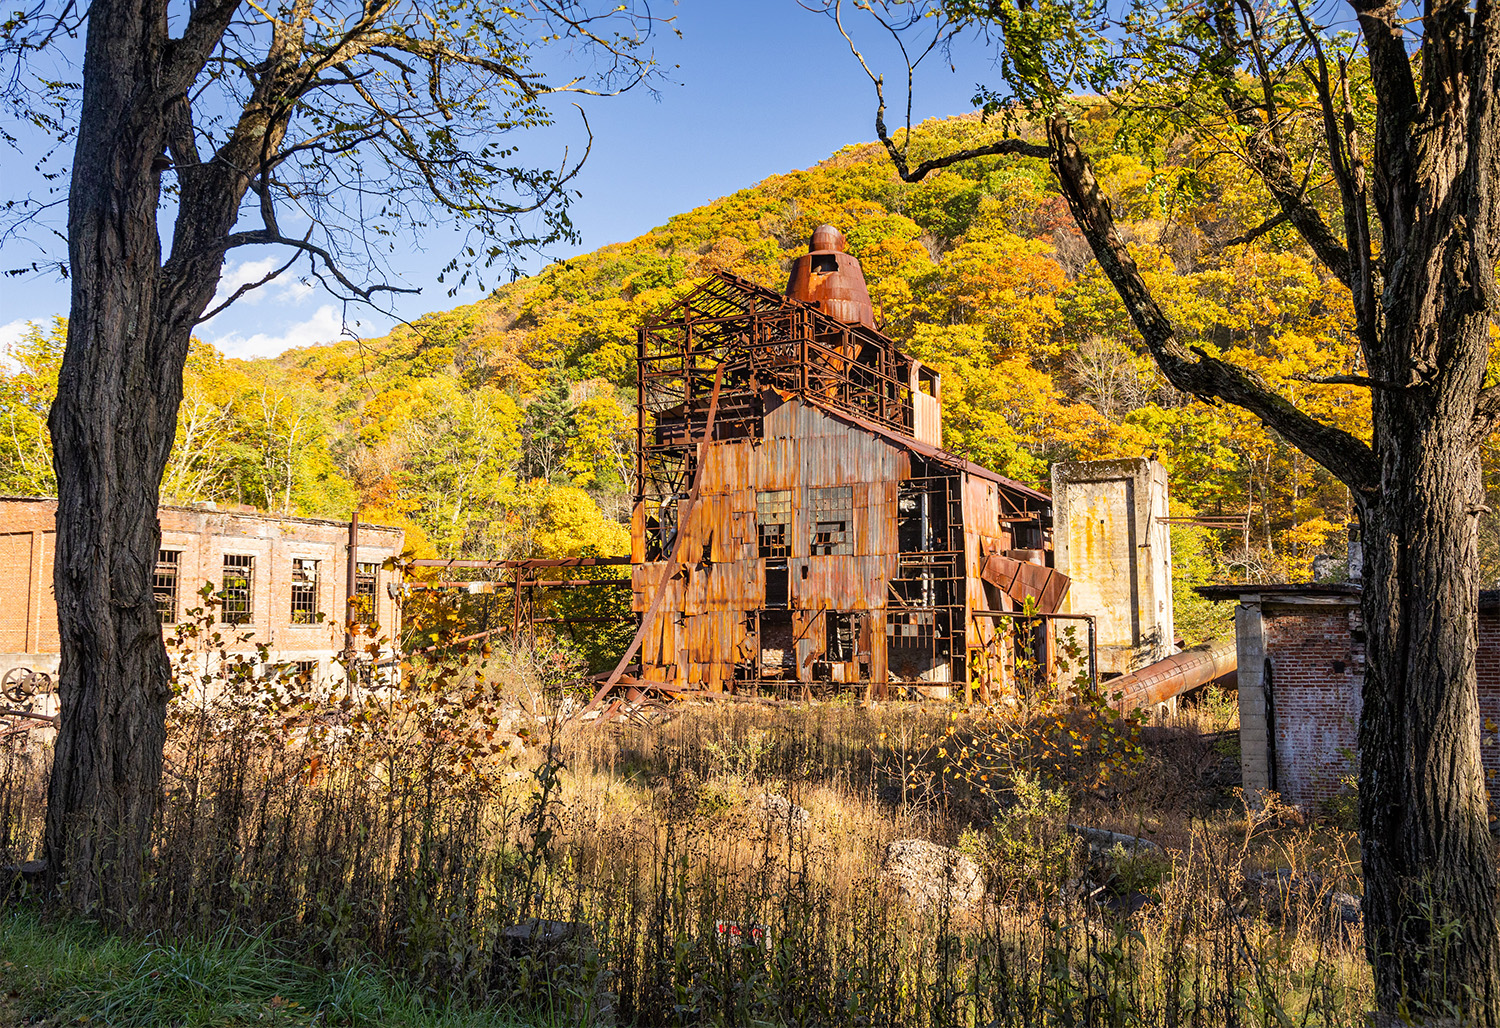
1027,851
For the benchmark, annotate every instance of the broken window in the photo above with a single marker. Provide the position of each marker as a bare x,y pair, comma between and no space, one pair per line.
832,512
239,578
304,591
306,669
164,585
824,264
830,537
777,579
842,629
773,519
364,593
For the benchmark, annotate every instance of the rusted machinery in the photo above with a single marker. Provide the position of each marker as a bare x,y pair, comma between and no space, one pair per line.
1173,676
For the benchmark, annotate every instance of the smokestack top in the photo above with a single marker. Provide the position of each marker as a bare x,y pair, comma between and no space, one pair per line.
827,239
830,276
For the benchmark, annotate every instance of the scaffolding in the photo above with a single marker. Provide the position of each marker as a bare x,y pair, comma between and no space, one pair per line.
770,347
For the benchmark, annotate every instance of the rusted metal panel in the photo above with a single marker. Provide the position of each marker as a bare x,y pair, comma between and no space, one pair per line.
1025,580
842,582
731,586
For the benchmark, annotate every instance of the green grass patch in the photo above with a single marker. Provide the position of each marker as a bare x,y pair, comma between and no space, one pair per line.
56,973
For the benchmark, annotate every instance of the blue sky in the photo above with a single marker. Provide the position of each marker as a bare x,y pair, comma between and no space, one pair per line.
760,87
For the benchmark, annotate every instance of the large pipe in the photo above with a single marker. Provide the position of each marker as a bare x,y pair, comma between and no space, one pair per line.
1173,676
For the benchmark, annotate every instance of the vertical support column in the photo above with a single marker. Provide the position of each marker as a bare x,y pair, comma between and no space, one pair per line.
350,572
34,594
1255,742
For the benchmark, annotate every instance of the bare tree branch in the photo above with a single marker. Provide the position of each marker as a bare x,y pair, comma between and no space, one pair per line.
1206,377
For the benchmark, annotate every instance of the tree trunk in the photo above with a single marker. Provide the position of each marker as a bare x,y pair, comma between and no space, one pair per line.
1429,864
112,428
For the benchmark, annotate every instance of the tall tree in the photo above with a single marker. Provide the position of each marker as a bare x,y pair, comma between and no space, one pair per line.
1406,221
334,129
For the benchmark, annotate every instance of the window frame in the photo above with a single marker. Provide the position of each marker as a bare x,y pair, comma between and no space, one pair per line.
828,506
245,571
305,591
365,584
159,590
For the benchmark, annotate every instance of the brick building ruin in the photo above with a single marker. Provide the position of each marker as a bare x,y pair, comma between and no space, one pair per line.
1301,660
274,576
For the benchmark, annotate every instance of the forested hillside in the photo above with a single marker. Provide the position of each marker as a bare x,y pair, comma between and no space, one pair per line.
505,427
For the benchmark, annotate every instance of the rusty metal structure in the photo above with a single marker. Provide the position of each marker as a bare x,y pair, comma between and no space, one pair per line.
529,589
1214,661
797,525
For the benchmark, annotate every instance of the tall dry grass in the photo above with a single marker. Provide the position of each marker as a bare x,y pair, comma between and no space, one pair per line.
431,827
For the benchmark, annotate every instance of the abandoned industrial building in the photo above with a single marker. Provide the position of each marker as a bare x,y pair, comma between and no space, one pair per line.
798,525
282,581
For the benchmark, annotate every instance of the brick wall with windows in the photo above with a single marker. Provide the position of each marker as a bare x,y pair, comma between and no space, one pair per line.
269,578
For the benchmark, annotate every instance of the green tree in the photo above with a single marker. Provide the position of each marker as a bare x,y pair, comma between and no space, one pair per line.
355,123
25,396
1381,153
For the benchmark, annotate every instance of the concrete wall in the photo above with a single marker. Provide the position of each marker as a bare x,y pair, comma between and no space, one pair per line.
201,537
1109,539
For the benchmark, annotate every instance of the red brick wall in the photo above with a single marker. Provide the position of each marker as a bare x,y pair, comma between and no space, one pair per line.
1315,668
1316,705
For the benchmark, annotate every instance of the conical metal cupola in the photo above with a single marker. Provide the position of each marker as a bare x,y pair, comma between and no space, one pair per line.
829,276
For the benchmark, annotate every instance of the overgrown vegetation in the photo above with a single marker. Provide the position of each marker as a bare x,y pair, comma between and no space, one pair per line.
451,845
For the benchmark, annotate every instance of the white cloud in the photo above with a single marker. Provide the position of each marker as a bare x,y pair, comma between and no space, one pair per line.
12,331
324,326
288,288
10,334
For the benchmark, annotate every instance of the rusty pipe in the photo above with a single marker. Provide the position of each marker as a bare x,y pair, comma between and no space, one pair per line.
1174,675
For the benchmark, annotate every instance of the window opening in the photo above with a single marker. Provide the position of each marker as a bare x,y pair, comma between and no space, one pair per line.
164,585
841,642
778,646
304,591
239,577
824,264
364,592
777,581
773,519
832,512
306,669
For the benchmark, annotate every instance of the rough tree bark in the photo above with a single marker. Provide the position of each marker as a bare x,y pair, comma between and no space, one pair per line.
112,428
133,313
1430,881
1424,296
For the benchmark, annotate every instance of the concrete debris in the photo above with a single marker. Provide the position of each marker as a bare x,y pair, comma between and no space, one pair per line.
1346,907
779,812
1101,842
928,875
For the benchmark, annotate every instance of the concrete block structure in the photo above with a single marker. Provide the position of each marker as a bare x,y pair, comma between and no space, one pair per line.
273,575
1111,539
1301,672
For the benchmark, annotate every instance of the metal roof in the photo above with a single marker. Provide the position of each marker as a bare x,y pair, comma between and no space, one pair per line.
929,451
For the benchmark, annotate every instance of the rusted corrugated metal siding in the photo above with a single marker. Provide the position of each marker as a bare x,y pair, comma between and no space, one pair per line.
985,533
802,449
